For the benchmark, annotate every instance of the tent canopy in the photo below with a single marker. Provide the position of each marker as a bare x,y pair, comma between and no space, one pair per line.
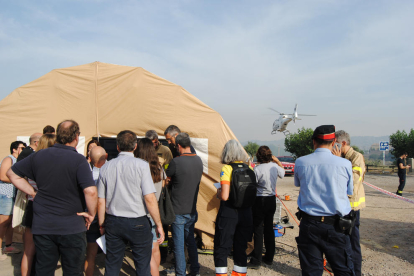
106,99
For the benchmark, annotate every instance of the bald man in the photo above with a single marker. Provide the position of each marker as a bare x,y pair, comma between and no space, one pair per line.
98,157
64,182
34,141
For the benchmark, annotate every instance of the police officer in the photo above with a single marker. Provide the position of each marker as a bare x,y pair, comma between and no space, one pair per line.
325,181
357,200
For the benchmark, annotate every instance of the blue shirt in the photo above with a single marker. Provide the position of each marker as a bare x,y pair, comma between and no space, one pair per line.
325,181
61,174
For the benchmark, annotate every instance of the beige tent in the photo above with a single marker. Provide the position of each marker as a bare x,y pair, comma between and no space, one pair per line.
105,99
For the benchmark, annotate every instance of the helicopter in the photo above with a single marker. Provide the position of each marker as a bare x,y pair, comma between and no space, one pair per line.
281,123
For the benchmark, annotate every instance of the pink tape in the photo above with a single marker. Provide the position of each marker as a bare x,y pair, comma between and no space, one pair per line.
389,193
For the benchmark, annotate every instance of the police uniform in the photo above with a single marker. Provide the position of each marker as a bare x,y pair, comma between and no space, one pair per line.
325,181
357,201
234,229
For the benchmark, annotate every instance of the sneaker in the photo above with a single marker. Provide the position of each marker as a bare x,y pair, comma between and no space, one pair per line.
11,250
253,265
2,256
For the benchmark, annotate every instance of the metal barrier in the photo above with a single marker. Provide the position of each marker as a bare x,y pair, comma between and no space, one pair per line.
381,169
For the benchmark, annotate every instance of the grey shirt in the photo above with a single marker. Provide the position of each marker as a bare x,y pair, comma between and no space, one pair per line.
266,176
124,181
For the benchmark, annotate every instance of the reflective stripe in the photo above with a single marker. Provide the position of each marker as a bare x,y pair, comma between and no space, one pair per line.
164,244
221,270
240,269
356,203
234,273
360,171
166,166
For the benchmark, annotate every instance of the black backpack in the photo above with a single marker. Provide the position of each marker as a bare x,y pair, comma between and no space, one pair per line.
243,186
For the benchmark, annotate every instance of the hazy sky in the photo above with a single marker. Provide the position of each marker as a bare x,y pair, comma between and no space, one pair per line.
349,62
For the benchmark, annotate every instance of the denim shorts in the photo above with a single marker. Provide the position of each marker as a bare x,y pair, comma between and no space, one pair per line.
6,205
154,233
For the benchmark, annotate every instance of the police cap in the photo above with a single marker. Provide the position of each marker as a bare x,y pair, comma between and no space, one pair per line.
325,132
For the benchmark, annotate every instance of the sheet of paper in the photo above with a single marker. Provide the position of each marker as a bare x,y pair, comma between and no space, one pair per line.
102,243
217,185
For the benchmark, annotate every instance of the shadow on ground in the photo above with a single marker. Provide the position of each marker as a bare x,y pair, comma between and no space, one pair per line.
397,241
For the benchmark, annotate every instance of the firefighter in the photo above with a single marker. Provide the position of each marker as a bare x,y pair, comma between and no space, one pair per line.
357,200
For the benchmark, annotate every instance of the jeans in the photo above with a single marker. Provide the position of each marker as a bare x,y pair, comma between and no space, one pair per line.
316,238
263,211
356,246
71,249
183,232
118,232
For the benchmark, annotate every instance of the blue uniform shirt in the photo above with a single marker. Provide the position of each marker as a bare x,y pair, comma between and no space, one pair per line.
325,180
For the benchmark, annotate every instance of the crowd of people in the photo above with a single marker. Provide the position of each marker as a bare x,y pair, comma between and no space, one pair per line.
73,200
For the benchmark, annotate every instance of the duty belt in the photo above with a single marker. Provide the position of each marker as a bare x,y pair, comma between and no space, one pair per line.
324,219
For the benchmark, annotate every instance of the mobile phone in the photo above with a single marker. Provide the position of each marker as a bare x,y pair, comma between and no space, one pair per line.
338,145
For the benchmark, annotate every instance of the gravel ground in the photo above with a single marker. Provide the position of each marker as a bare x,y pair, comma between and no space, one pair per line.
387,236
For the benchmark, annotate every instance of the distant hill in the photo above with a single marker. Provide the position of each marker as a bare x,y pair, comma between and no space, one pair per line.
363,142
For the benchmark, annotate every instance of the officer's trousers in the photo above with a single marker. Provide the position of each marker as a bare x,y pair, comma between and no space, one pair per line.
317,238
234,229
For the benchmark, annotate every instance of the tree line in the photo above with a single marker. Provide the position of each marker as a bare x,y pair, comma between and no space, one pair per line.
300,143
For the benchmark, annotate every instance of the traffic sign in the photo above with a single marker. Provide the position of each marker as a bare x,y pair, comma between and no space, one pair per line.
384,146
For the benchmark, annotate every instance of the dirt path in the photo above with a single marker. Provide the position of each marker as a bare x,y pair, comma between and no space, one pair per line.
387,236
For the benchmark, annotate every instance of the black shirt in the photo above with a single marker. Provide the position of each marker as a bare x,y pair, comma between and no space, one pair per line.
185,172
175,152
401,171
25,152
61,174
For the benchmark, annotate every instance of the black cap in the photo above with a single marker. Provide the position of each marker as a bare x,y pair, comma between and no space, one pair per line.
325,132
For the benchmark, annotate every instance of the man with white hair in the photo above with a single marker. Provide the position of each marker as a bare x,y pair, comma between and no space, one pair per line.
163,152
357,200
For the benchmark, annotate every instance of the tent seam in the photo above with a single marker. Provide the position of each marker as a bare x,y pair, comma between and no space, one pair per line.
96,100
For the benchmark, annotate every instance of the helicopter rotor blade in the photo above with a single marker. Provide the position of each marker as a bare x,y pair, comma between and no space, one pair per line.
306,115
274,110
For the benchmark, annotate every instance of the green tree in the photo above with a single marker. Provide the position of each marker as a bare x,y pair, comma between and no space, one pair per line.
251,148
401,142
300,144
358,149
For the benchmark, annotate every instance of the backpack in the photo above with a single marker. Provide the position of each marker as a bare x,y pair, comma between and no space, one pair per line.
243,186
